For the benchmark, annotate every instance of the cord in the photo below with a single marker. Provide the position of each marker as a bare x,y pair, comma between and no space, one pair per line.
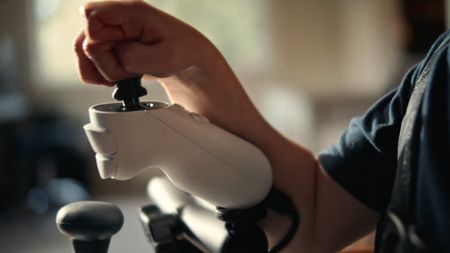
295,221
283,205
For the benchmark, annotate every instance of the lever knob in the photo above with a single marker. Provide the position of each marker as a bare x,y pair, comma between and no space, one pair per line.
89,224
129,91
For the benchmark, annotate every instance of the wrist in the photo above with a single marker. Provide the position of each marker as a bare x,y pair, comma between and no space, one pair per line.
210,88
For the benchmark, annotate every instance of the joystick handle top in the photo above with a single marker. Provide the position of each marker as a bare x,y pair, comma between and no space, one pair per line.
89,224
129,91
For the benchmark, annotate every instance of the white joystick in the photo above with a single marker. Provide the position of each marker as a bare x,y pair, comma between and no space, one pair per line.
196,155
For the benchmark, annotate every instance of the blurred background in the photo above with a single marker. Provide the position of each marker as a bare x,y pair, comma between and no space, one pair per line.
309,66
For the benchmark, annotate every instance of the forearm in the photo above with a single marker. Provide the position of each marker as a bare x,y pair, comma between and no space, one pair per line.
330,217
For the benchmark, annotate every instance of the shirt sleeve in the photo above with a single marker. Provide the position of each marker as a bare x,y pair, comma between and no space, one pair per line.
364,160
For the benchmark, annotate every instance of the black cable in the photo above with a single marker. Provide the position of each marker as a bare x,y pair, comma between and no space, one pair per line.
295,222
283,205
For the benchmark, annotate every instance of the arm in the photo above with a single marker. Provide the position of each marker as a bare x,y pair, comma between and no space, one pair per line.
126,38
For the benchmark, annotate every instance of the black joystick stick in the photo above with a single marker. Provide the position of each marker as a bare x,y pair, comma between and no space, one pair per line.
129,91
90,225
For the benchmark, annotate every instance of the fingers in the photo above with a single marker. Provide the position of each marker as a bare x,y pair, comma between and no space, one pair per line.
100,32
107,23
105,60
124,38
114,20
86,68
159,60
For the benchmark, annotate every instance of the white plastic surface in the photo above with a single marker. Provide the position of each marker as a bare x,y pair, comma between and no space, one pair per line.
197,156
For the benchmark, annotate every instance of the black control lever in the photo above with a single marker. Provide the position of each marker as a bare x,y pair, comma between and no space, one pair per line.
129,91
90,225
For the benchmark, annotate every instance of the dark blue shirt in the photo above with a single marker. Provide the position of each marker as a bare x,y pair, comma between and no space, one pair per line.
364,161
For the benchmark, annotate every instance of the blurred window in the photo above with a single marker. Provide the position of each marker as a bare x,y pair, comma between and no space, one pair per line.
236,27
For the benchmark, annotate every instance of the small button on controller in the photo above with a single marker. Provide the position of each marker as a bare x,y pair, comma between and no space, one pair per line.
179,106
199,118
196,117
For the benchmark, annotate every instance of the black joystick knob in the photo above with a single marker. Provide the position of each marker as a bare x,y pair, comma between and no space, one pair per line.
129,91
89,224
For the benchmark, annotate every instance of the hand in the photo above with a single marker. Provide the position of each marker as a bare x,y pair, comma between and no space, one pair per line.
126,38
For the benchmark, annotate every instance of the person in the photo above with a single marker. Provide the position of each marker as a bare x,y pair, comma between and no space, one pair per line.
343,193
